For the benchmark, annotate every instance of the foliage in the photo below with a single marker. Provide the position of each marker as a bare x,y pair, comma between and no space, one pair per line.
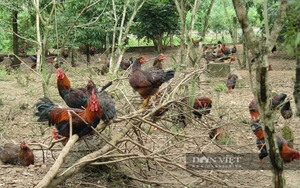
156,20
292,32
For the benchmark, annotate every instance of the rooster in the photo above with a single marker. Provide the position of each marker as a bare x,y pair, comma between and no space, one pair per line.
147,83
78,97
227,51
92,51
231,82
16,154
82,120
286,152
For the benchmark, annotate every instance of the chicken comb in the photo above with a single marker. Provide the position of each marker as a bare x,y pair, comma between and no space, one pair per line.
94,102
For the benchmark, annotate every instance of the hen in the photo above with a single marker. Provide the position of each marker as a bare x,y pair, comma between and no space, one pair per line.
82,120
147,83
92,51
231,82
219,133
277,101
286,110
64,54
23,50
16,154
286,152
124,65
158,61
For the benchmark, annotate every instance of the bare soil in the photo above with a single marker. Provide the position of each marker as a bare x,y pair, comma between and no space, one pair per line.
21,89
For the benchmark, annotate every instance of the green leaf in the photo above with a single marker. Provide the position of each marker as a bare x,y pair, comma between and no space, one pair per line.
297,41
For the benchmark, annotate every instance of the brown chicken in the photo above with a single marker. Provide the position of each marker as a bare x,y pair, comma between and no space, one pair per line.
147,83
253,109
231,82
219,133
64,54
287,154
23,50
196,42
16,154
104,67
227,51
124,65
277,101
158,61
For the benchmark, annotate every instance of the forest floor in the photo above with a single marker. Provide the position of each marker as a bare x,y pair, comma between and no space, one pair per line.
20,90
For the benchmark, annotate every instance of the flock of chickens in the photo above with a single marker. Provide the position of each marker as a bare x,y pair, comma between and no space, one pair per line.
88,105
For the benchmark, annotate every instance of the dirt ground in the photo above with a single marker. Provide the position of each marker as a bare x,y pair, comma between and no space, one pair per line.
21,89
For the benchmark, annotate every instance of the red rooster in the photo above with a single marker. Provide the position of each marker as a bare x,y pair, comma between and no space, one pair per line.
78,97
253,109
228,51
46,110
231,82
92,51
287,154
147,83
16,154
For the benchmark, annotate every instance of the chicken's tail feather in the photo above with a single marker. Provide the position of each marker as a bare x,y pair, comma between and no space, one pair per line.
99,90
43,107
168,75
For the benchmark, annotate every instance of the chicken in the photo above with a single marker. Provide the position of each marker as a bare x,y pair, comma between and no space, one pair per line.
64,54
277,101
158,61
253,109
202,105
286,110
286,152
92,51
219,133
82,49
78,97
270,68
23,50
74,98
16,154
197,42
228,51
46,110
147,83
231,82
124,65
104,67
105,101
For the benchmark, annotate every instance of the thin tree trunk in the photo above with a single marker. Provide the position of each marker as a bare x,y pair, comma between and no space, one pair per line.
262,93
15,63
297,82
207,19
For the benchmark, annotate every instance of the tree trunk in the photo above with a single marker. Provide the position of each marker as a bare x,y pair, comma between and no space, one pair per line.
207,19
262,93
297,83
15,63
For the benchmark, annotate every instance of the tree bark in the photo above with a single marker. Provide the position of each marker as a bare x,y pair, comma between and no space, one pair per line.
15,63
262,94
297,82
207,19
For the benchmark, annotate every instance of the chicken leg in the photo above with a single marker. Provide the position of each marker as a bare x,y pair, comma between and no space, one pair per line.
145,102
